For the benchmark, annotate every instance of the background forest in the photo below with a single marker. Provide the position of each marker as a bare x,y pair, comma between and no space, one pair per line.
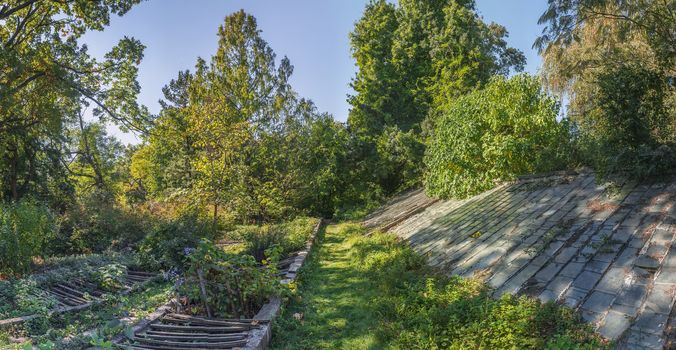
438,102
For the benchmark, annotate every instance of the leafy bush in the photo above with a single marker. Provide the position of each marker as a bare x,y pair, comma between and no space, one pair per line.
258,239
25,228
423,310
96,224
632,128
288,237
165,246
236,285
111,277
507,129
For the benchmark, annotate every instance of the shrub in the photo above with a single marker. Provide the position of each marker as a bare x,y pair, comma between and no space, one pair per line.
236,285
288,237
25,228
258,239
507,129
96,224
632,128
166,244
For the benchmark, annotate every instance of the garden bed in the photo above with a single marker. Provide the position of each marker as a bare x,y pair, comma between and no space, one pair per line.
167,329
31,307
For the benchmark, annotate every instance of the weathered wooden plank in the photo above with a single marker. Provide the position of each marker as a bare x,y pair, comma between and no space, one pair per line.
198,328
192,337
151,332
239,320
190,345
205,321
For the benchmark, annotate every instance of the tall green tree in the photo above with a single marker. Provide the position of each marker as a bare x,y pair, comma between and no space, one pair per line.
47,77
163,166
236,101
414,59
256,149
615,62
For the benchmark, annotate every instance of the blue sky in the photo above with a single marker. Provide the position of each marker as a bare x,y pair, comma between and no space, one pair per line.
312,33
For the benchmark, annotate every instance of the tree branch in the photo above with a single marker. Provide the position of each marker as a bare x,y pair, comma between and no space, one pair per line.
6,11
20,26
26,82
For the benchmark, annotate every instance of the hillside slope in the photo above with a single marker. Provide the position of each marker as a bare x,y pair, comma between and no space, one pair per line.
605,250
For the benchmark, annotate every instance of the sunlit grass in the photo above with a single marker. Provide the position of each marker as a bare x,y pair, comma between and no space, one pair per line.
360,292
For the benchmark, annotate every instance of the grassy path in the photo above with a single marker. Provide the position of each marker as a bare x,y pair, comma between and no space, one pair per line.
334,301
373,293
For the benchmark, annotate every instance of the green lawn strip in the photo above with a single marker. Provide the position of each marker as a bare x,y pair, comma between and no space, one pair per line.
49,332
358,292
334,300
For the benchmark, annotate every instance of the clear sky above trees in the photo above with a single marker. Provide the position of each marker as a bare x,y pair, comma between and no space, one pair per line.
313,34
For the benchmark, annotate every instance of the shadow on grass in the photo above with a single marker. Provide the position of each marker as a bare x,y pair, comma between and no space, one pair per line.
335,301
374,293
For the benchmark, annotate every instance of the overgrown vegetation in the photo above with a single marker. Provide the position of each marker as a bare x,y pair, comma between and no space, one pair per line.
25,229
614,61
373,292
103,321
235,149
288,237
28,296
235,285
507,129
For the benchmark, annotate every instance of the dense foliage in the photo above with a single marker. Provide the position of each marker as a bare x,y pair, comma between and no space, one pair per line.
47,82
235,285
287,237
507,129
631,129
614,61
237,137
373,292
164,246
25,229
414,58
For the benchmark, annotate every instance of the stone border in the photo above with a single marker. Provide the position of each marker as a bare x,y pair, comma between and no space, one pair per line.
259,339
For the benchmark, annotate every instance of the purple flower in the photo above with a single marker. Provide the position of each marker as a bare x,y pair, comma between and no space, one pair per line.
188,250
172,274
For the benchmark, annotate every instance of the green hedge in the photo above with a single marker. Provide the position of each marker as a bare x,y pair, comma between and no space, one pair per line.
507,129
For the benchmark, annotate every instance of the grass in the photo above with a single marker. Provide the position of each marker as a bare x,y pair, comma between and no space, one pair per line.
360,292
290,236
334,300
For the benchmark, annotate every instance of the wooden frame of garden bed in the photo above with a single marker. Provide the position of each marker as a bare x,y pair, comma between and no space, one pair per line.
71,299
258,332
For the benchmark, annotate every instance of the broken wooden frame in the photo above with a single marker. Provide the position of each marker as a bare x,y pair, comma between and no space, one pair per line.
78,294
165,330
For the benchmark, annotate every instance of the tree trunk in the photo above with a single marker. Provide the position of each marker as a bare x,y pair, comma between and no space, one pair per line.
13,175
215,217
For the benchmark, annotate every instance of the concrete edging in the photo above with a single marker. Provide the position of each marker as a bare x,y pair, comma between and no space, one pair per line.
259,339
